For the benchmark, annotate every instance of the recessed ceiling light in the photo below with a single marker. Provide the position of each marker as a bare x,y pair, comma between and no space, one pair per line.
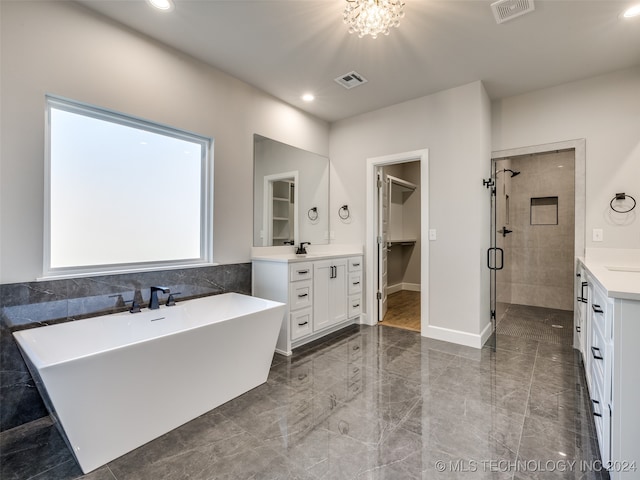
632,12
308,97
164,5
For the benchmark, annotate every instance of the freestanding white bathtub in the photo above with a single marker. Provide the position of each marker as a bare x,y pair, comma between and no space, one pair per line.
117,381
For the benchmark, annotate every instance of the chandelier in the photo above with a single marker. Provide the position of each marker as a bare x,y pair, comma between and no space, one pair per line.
372,17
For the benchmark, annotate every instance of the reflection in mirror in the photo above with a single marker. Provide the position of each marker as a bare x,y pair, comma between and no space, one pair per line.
290,196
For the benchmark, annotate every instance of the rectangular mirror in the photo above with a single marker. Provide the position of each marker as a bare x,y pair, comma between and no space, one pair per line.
290,195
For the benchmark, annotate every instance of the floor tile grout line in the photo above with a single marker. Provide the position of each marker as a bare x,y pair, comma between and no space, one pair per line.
50,468
524,417
111,472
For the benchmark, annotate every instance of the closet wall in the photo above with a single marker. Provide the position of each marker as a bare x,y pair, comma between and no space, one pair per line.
403,261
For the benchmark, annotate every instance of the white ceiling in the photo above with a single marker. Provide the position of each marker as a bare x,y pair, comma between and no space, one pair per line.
289,47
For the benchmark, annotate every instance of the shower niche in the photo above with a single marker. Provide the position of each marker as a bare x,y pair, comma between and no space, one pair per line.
543,211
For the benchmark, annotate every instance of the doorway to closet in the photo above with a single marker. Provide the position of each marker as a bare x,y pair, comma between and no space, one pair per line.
396,255
399,262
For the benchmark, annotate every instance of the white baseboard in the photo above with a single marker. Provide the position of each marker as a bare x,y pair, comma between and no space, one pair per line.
456,336
412,287
486,333
391,289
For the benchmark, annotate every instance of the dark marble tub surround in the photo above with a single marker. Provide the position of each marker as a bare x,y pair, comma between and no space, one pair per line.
33,304
368,403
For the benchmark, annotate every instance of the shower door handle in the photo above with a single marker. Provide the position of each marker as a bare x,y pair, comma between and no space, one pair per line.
495,256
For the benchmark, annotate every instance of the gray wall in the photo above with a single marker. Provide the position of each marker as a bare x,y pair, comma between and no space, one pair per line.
64,49
455,126
604,110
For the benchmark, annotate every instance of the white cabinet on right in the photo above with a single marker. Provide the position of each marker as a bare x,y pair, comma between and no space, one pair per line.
609,340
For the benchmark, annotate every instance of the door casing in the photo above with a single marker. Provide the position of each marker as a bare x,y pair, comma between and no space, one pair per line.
371,251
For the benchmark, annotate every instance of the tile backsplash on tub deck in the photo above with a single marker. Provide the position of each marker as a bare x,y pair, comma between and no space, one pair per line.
33,304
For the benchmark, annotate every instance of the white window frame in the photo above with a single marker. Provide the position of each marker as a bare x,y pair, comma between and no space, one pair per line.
206,197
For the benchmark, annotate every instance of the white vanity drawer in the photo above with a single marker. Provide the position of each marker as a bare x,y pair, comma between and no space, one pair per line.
355,283
300,271
355,264
301,323
300,294
355,305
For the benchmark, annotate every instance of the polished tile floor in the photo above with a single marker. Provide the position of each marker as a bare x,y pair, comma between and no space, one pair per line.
369,403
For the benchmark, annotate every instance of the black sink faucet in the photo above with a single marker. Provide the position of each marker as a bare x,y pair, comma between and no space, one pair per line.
153,300
302,249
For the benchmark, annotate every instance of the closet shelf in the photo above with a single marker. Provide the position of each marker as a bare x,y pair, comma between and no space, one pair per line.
403,242
403,185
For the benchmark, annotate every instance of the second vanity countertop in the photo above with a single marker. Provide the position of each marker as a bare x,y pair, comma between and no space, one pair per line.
618,271
287,255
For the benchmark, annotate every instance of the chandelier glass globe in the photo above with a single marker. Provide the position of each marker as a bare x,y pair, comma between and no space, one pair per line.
372,17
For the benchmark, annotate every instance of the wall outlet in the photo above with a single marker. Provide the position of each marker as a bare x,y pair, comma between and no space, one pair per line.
432,234
598,235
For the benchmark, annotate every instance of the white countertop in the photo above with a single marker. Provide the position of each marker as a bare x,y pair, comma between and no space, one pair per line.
617,270
315,252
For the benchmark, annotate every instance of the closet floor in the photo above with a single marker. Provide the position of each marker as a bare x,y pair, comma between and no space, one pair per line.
403,310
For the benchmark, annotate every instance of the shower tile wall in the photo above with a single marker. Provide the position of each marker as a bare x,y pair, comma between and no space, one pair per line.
33,304
539,258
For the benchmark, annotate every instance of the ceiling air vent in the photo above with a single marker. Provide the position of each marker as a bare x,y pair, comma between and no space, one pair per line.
505,10
350,80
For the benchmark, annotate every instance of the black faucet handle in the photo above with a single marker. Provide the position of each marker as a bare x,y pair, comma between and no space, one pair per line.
171,301
161,289
301,249
135,306
119,300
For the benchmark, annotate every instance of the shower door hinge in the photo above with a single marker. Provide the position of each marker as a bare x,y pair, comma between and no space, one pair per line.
379,295
379,183
379,240
493,314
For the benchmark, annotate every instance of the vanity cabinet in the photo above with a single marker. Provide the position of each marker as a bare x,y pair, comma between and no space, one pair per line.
330,291
323,294
600,365
593,315
608,339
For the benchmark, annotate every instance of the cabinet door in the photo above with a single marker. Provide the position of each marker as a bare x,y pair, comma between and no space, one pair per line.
329,293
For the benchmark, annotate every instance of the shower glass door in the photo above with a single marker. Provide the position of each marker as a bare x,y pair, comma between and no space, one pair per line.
495,255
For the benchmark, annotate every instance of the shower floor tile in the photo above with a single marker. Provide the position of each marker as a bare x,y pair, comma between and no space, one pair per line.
545,325
368,403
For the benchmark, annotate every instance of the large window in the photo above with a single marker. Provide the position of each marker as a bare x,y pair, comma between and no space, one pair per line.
123,193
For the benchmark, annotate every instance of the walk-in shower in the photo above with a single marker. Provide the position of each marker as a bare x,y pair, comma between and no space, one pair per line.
535,229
